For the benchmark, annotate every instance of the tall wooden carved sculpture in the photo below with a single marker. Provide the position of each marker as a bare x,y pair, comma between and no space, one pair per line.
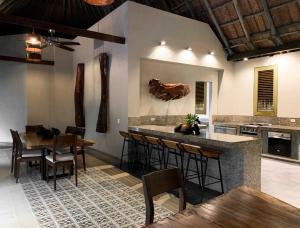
103,110
79,96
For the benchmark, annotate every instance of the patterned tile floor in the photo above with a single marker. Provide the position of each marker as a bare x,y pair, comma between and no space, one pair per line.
99,201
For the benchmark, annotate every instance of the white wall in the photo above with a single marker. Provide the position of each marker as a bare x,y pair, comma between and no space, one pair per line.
88,53
148,26
288,84
169,72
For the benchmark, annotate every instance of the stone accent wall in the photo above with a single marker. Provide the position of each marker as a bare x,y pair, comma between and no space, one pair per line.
285,121
156,120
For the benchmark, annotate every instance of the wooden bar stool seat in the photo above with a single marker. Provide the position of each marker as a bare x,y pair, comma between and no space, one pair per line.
154,146
171,148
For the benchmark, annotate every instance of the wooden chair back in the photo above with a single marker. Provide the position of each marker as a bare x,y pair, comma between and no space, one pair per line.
152,140
63,141
33,128
18,144
124,134
159,182
80,131
137,137
13,140
170,144
189,148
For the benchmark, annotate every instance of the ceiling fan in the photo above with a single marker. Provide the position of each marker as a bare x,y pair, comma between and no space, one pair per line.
54,41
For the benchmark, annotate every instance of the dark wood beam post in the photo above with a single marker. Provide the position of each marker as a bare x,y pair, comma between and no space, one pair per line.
240,16
271,23
43,25
214,20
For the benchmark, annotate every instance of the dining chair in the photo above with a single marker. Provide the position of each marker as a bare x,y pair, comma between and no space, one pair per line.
159,182
79,131
28,156
56,159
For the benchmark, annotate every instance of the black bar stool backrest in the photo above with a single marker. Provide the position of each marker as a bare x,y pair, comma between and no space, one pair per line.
152,140
159,182
137,137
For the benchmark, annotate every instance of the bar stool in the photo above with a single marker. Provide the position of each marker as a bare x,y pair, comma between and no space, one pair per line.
139,141
171,148
194,154
154,146
214,155
127,139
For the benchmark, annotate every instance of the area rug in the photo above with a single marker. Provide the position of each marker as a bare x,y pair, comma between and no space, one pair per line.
98,201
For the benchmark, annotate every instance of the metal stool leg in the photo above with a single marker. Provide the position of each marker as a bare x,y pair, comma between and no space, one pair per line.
220,174
204,177
121,162
187,166
197,167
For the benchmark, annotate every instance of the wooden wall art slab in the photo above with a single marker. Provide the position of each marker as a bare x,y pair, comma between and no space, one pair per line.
168,92
79,96
103,110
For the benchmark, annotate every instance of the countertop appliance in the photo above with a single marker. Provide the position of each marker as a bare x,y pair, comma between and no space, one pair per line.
280,144
251,129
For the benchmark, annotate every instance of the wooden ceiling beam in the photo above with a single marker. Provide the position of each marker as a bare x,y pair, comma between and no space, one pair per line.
241,19
24,60
292,46
229,2
246,17
43,25
214,20
190,8
268,15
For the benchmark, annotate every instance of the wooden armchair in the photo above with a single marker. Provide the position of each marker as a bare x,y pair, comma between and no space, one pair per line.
159,182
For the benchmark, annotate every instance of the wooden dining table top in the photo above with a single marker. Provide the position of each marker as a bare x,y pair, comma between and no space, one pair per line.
241,207
34,141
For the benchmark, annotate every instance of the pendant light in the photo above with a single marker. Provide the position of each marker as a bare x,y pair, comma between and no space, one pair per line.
33,48
99,2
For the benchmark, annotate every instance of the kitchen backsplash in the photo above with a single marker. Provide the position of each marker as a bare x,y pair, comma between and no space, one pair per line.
155,120
256,119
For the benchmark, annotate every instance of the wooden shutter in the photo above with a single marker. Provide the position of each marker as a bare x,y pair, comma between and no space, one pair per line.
265,98
201,98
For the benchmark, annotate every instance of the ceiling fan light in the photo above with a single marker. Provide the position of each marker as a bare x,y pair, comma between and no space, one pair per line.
99,2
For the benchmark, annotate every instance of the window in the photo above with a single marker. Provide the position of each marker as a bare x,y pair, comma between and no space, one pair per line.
201,98
265,91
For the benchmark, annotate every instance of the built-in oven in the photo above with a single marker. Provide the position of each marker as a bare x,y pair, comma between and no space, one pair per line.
280,144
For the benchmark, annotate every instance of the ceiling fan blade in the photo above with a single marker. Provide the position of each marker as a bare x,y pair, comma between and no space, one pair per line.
65,47
69,43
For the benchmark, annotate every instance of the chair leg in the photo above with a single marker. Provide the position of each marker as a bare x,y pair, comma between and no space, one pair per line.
83,160
70,171
159,157
168,157
12,163
41,167
54,176
17,167
76,174
176,159
47,172
203,178
220,174
123,147
187,166
181,162
197,167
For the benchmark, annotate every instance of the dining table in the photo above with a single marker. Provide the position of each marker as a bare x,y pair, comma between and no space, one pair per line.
240,207
33,141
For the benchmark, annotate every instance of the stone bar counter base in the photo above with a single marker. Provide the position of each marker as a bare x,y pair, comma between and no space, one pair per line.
240,159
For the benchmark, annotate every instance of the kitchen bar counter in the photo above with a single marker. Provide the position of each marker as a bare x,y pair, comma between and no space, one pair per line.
240,157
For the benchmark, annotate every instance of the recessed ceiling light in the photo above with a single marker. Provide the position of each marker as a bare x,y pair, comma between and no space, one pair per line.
245,59
189,49
211,53
163,43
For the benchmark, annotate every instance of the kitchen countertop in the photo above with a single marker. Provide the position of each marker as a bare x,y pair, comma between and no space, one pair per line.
206,135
